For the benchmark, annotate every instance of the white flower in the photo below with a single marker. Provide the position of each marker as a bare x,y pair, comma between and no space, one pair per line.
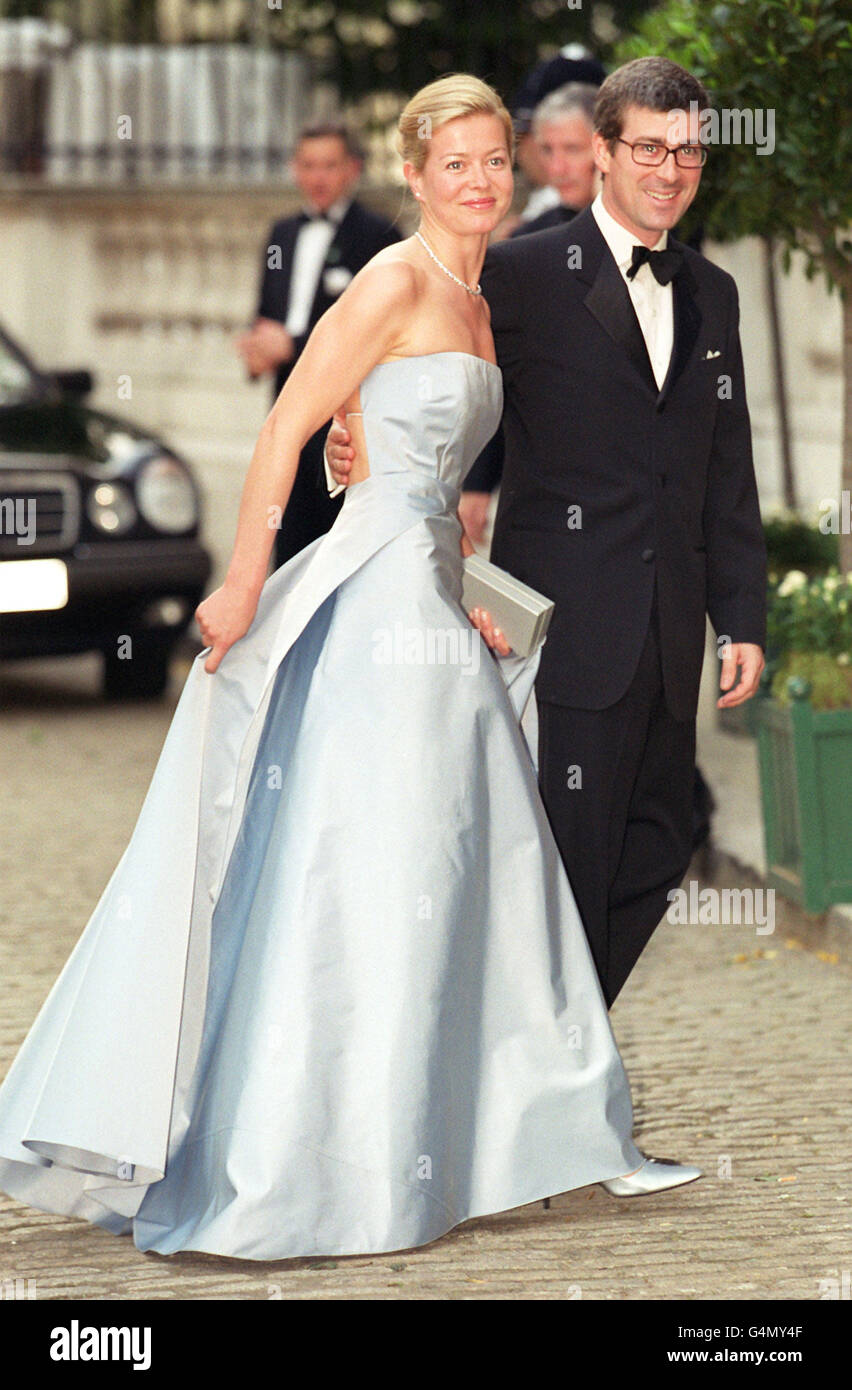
793,581
843,659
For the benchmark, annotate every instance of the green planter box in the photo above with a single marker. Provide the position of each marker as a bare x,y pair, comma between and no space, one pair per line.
805,759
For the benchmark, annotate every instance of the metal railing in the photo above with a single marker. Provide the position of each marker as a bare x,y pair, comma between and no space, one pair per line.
78,112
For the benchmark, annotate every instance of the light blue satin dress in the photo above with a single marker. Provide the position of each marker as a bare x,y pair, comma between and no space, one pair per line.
336,997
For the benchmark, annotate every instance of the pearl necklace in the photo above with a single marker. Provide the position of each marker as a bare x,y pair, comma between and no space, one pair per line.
446,270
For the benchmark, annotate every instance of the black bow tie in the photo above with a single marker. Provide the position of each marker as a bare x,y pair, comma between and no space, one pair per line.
315,217
665,265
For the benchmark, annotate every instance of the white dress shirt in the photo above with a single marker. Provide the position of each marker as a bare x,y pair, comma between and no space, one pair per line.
309,253
652,301
539,201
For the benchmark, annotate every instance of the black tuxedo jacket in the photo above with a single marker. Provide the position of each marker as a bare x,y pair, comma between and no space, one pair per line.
663,479
556,216
488,469
359,236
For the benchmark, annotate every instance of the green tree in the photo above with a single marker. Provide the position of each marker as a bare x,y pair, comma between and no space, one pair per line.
369,46
792,57
116,21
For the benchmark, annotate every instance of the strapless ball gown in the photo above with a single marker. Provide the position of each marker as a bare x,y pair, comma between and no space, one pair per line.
336,997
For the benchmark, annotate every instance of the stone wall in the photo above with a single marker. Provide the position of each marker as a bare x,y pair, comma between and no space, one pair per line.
812,328
148,290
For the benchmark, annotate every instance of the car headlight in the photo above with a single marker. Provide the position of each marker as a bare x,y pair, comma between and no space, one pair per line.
165,495
111,508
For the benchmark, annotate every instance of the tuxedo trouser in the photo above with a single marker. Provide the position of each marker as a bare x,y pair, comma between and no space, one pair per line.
310,512
617,784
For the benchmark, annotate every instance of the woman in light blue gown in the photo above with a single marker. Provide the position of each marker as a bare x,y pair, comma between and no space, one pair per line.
336,997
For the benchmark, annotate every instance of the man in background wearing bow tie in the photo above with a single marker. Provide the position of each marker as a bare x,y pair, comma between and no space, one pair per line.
308,261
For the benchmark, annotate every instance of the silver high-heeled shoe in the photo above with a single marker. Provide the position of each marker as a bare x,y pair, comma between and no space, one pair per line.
655,1175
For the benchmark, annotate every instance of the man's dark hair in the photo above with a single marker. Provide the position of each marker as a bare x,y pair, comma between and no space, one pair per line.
323,129
656,83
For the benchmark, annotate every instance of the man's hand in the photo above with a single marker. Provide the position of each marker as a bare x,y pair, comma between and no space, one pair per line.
473,514
339,451
265,346
254,358
749,657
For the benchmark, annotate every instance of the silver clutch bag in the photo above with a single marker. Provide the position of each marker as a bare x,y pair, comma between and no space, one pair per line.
522,614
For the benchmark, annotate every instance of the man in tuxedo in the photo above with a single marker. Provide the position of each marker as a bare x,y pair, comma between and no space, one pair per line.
309,260
629,498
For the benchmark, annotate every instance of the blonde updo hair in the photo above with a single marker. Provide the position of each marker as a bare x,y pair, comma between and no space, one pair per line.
459,94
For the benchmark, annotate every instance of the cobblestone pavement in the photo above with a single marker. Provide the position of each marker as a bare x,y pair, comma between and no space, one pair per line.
737,1045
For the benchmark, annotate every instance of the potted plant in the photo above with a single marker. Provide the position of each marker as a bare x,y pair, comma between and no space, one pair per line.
792,543
803,722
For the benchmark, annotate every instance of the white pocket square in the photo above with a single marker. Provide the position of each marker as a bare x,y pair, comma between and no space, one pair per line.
711,352
335,279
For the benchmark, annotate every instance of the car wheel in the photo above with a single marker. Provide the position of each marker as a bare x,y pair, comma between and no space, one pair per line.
143,676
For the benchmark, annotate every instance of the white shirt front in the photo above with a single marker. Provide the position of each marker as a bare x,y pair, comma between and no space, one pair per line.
309,253
652,301
539,201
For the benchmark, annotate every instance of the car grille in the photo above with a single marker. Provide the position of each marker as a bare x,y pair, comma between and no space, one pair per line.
45,506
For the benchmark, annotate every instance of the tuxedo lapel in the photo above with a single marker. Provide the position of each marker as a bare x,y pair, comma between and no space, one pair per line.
687,323
609,301
277,280
607,297
342,244
340,251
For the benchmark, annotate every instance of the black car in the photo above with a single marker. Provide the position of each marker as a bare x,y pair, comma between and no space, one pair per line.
99,531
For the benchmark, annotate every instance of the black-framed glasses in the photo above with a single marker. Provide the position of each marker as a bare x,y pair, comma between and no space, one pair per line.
653,154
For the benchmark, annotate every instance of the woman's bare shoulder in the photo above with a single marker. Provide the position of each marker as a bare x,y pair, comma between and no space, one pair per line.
392,275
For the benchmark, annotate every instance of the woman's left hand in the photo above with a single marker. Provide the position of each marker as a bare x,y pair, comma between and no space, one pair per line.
224,617
481,618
